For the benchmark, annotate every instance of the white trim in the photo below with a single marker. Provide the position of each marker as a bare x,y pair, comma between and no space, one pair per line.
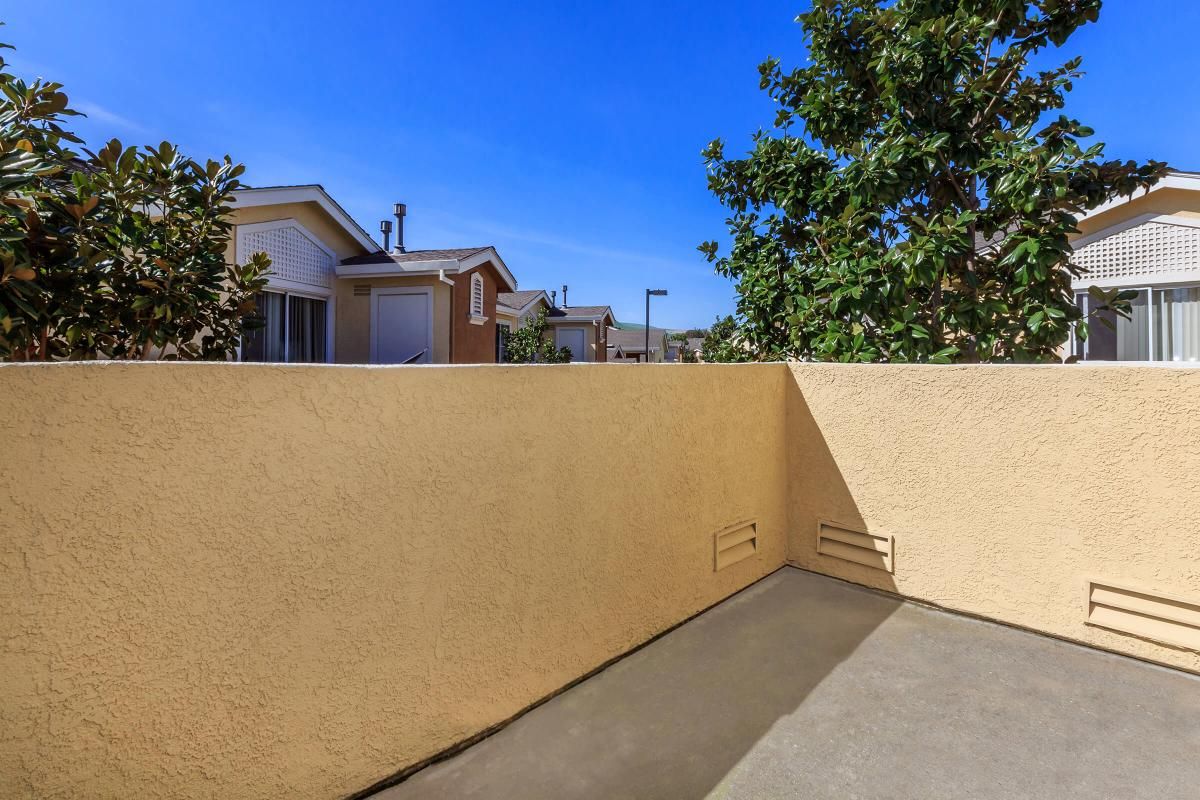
286,287
477,299
582,330
1133,222
239,248
387,268
312,193
390,269
310,293
1136,281
593,318
376,293
1173,180
484,256
523,310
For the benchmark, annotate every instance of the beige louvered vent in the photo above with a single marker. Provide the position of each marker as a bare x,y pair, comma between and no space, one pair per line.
362,290
735,543
1154,616
838,541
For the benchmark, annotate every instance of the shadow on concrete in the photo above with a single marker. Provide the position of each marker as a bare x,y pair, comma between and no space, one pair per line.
674,718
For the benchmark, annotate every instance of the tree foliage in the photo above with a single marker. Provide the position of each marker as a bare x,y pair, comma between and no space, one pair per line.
724,342
915,197
119,253
531,345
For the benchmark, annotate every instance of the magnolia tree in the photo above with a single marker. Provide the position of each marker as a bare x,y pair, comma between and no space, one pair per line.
117,254
914,199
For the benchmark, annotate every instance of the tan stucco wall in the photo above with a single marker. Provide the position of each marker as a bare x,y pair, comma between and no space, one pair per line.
1005,487
254,581
352,318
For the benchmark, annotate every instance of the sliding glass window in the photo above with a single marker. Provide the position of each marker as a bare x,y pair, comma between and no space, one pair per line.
1177,324
295,330
1163,325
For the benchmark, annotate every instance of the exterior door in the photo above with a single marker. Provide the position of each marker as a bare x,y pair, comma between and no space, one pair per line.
574,338
402,326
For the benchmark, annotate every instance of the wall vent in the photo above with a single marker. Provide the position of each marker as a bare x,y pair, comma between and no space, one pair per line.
838,541
1153,616
362,290
735,543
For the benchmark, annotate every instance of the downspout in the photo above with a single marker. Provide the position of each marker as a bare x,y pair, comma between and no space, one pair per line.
450,343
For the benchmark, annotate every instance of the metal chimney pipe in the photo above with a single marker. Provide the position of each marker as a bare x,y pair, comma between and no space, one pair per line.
400,210
553,299
385,227
564,295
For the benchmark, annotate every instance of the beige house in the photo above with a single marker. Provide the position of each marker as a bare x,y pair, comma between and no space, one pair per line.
629,344
1149,243
583,329
336,296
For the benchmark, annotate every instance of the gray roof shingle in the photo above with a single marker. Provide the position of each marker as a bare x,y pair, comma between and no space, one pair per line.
517,299
414,255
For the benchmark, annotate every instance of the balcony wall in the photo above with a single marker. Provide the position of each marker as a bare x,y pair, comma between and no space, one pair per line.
263,581
1006,488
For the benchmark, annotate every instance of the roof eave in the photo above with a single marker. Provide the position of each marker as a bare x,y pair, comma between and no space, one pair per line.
308,193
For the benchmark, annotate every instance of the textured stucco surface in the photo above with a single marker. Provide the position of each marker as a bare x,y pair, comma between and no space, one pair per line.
256,581
1006,487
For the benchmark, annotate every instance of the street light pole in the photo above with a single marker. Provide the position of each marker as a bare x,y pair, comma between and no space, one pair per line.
656,293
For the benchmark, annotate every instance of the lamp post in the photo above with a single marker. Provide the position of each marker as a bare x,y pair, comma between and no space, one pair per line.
656,293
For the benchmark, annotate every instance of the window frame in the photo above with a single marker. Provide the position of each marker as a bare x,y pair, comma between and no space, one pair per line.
476,313
310,294
1152,291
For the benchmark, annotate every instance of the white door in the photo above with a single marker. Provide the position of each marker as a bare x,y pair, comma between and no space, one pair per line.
401,326
574,338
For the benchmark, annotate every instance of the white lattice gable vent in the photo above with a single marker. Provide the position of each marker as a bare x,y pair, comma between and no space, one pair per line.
1150,250
296,255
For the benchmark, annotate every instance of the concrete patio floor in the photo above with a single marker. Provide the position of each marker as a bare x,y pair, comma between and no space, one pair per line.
805,687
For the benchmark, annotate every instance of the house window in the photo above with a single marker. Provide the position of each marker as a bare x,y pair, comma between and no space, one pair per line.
1177,324
476,295
294,332
1163,325
503,329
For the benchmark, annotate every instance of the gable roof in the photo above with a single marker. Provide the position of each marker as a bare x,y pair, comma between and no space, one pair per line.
1172,180
305,193
633,340
520,301
408,256
580,314
426,262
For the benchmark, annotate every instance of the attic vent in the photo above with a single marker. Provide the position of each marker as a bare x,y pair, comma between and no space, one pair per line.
838,541
735,543
1159,618
362,290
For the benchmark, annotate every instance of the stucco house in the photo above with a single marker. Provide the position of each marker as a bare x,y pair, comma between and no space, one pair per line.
584,329
334,295
629,344
1149,243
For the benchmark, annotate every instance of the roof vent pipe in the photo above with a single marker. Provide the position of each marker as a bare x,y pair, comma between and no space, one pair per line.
564,295
400,210
385,227
553,299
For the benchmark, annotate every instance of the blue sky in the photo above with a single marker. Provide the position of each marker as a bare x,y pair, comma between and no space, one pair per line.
568,135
